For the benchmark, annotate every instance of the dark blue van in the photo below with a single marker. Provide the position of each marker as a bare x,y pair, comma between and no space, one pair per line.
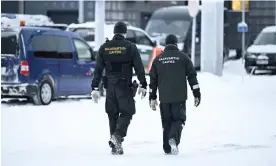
42,63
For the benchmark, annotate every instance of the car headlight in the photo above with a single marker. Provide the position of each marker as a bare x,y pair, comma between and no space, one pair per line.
263,57
251,55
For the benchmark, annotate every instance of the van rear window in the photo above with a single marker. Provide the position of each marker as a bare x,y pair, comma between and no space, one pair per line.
9,44
47,46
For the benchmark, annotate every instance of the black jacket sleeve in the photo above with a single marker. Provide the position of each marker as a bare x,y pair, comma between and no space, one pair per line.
138,66
98,72
153,81
192,76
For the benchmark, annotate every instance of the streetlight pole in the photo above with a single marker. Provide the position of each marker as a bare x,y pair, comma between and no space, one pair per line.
100,22
243,33
81,11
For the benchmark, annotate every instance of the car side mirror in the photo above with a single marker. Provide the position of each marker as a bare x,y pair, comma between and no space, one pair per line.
93,54
154,43
251,41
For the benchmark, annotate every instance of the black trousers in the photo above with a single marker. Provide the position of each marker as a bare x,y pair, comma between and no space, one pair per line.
120,107
173,116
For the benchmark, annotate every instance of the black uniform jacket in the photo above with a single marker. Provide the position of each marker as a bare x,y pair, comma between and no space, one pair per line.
118,57
169,73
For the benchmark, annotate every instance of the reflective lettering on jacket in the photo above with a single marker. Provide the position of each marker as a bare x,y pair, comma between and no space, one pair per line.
166,60
115,50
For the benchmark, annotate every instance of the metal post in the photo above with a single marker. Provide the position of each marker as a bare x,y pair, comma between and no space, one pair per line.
193,40
243,33
100,22
81,11
212,28
219,14
21,7
275,12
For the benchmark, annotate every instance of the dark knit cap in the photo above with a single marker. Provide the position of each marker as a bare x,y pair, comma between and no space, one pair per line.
171,39
120,27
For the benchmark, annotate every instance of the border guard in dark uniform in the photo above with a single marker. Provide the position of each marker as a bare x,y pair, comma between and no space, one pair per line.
169,73
118,57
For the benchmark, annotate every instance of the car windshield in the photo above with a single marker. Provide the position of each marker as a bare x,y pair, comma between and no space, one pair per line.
266,38
87,34
9,43
161,27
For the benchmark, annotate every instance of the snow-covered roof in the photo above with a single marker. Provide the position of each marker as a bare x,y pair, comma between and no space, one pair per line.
269,29
93,24
82,25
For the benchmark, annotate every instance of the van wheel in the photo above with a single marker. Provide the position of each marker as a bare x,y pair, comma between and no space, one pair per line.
45,94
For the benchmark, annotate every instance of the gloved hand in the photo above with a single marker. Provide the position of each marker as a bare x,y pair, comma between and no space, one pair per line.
142,90
153,104
153,100
197,96
95,95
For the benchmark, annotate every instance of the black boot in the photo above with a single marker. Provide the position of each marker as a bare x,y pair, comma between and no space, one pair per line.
113,150
116,144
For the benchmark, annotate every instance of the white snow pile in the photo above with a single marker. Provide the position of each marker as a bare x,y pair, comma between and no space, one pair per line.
235,125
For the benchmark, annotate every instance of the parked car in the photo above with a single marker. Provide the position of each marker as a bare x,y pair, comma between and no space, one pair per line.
147,47
261,55
41,64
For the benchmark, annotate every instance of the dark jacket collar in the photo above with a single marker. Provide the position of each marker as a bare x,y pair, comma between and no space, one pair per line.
171,47
118,37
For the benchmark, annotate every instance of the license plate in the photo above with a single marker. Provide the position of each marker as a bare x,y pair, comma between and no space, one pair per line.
262,62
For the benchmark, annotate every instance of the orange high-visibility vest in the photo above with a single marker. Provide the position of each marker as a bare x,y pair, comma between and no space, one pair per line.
155,52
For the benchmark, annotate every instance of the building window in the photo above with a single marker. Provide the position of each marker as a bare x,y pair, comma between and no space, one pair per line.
108,5
114,15
120,16
120,5
90,5
90,14
113,5
108,15
72,5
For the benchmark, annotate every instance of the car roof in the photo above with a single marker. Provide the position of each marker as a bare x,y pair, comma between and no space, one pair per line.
93,25
172,12
54,30
108,27
269,29
175,12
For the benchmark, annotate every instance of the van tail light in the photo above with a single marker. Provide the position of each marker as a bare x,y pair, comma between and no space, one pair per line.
24,68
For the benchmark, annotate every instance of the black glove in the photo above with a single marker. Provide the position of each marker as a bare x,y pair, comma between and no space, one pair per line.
152,96
106,40
134,88
152,101
142,89
197,96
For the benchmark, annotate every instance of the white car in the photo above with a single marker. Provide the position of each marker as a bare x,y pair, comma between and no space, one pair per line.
261,55
147,47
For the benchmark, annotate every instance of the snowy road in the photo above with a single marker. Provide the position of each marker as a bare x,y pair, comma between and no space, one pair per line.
234,126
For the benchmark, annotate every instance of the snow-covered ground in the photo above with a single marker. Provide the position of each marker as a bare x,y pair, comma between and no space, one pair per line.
234,126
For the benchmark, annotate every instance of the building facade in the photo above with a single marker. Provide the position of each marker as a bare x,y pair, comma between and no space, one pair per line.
135,12
259,13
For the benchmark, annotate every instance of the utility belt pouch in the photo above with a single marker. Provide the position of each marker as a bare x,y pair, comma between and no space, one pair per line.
134,88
